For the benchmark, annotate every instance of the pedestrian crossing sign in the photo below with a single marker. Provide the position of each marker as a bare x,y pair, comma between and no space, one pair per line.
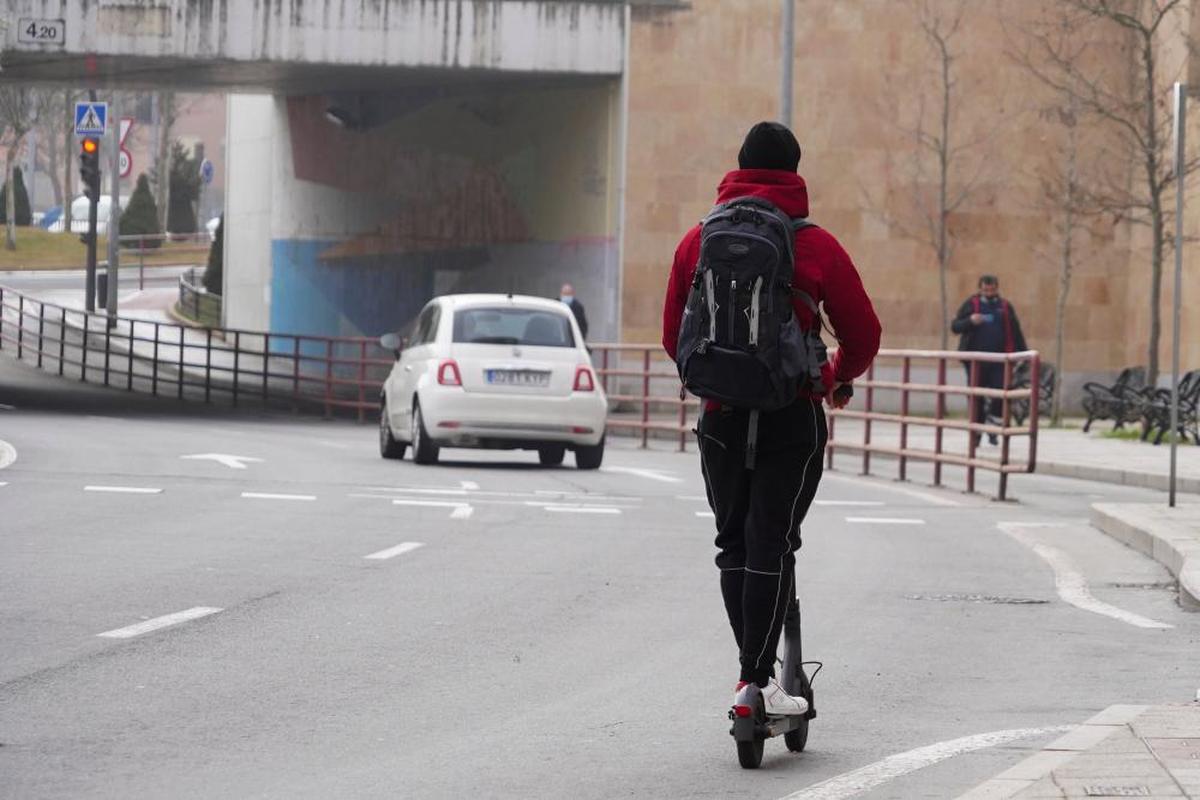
91,118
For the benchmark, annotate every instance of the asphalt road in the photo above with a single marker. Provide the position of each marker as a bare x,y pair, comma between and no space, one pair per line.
563,637
35,282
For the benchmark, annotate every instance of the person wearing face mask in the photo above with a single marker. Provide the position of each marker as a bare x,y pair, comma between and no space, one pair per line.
987,323
568,296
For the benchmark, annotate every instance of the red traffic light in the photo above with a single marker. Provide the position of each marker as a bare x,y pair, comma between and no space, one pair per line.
89,146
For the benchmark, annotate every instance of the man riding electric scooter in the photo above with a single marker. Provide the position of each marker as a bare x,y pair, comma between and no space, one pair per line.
742,321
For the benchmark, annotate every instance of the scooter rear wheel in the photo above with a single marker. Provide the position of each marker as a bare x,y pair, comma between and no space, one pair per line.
797,740
750,753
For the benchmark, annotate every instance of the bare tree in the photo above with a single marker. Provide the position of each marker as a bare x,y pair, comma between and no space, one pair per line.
1133,108
167,113
16,118
942,165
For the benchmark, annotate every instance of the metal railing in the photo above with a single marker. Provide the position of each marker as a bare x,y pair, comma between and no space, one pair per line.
211,364
643,378
197,303
188,246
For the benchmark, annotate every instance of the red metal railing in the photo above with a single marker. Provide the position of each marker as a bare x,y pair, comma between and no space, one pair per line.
643,377
338,372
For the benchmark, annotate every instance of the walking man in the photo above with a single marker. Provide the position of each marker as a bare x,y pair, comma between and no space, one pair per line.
988,324
759,509
568,296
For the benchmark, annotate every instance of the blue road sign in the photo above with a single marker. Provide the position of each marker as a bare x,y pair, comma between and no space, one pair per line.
206,171
91,119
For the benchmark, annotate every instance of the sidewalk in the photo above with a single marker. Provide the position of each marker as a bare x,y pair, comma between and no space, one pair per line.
1124,751
1171,536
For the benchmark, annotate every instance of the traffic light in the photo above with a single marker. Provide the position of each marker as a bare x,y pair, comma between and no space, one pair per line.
89,167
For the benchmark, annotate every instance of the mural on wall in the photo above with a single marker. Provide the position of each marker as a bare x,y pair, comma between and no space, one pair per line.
497,191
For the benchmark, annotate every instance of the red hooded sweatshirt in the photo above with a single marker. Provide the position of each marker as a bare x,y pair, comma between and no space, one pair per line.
823,270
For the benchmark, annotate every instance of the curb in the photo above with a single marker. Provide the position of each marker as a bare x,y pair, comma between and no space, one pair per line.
1054,755
1179,554
1144,480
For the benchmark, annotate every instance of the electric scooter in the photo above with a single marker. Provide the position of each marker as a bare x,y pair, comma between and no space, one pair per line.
751,725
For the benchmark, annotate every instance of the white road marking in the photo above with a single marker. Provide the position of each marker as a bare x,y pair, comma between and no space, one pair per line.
1069,581
231,461
706,514
274,496
886,520
392,552
462,512
430,503
8,454
582,509
847,502
477,495
651,474
123,489
851,784
3,483
159,622
692,498
927,497
470,486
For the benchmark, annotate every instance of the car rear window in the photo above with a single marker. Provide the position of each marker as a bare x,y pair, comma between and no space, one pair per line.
506,325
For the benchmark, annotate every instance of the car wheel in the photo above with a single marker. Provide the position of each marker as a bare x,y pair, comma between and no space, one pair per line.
388,446
590,457
551,455
424,450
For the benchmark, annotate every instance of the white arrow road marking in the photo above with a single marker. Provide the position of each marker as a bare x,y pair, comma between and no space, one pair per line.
123,489
273,496
398,550
854,783
886,520
1069,580
159,622
231,461
651,474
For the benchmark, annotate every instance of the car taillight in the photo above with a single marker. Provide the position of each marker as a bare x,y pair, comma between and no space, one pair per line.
448,374
584,381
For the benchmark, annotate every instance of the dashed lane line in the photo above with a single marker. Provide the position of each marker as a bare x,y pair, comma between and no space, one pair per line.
158,623
470,486
1069,581
927,497
559,509
462,512
398,550
863,503
8,454
706,514
123,489
276,496
886,520
429,503
651,474
859,781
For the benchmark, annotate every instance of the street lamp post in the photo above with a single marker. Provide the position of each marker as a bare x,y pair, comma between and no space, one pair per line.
788,37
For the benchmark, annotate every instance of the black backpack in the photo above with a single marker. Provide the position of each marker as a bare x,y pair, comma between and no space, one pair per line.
739,342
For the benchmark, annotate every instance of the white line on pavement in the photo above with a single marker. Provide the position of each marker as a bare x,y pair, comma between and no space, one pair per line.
851,784
886,520
392,552
8,454
470,486
847,502
3,483
477,495
123,489
582,509
928,497
462,512
273,496
651,474
430,503
692,498
159,622
706,514
1069,581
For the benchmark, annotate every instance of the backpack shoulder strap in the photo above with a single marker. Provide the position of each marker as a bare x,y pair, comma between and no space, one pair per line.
800,223
975,303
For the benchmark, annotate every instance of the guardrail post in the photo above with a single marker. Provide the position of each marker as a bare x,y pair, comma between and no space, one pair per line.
1006,410
1,317
129,377
208,366
328,378
62,339
142,263
296,369
972,438
645,398
41,331
362,380
1034,417
940,416
905,377
182,343
866,456
829,443
237,352
20,325
107,349
265,365
154,365
195,295
84,350
604,366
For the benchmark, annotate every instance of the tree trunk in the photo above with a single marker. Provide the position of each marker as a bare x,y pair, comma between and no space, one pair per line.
52,166
1065,268
1157,223
10,205
1156,263
162,167
943,253
68,162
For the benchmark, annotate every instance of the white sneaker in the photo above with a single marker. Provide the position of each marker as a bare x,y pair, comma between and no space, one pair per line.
779,703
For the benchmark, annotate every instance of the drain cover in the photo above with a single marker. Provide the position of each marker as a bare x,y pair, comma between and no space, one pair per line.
1116,791
978,598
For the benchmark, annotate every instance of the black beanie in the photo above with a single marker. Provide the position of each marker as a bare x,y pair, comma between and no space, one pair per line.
770,145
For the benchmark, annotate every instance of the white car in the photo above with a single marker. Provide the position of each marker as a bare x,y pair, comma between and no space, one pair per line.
493,371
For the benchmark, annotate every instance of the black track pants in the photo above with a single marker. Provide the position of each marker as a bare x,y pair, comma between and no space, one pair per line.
758,514
991,376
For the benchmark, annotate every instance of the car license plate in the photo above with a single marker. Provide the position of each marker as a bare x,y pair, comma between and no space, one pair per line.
518,377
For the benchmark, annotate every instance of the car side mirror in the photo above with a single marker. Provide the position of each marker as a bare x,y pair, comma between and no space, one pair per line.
393,342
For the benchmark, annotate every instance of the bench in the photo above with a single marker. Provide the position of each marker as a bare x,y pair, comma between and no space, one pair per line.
1020,408
1156,409
1121,402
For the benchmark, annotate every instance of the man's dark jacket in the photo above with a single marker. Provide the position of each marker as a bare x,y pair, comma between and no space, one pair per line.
580,316
973,337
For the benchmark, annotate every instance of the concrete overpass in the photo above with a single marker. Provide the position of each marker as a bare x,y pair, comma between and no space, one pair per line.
381,151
